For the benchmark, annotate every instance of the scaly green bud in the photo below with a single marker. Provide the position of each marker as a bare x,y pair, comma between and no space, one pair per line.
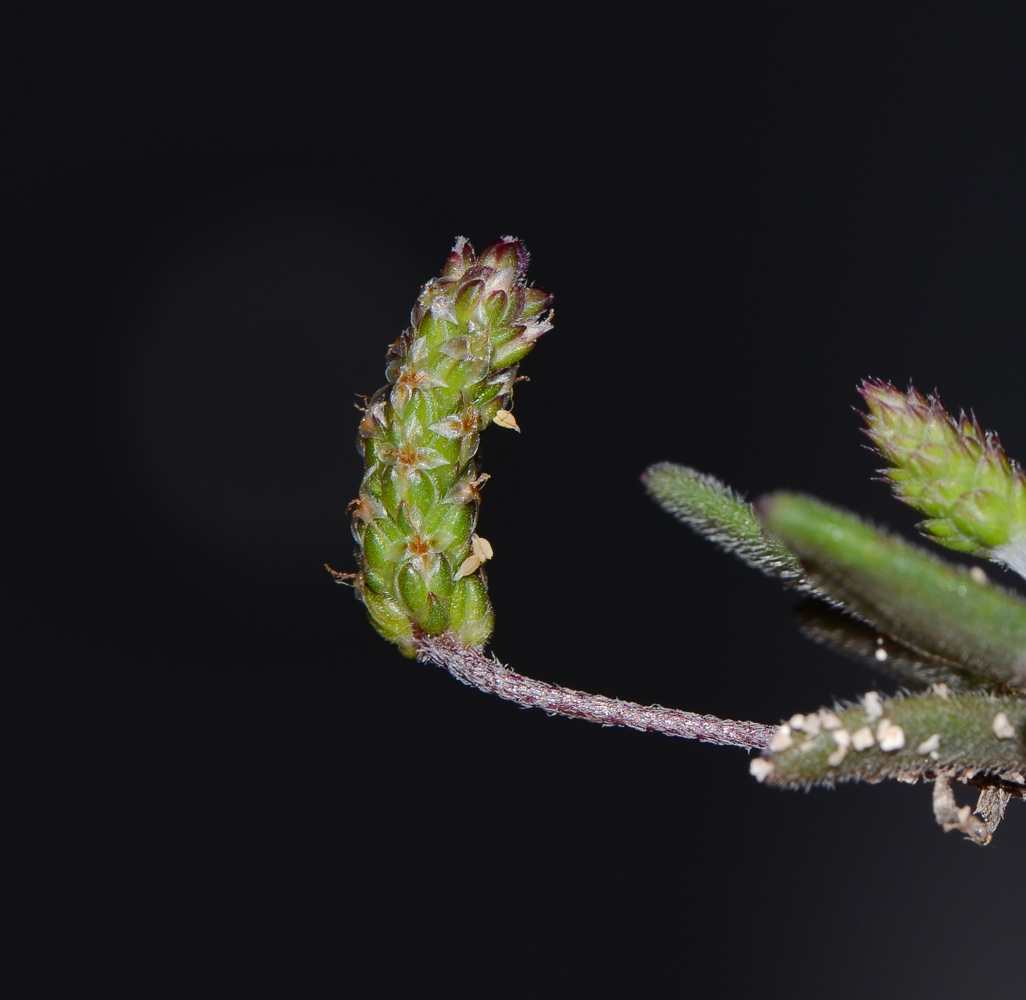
940,609
952,471
449,375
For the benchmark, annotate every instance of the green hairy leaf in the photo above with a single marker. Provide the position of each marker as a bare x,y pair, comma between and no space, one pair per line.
929,605
858,640
715,511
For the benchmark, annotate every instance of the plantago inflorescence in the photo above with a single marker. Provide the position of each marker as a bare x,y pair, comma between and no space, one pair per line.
954,640
450,375
954,472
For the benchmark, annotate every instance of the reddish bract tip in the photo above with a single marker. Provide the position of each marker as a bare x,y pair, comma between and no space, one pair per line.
507,252
460,258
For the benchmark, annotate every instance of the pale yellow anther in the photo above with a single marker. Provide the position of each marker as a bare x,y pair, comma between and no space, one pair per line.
782,739
929,746
469,565
506,419
941,690
482,548
842,737
760,769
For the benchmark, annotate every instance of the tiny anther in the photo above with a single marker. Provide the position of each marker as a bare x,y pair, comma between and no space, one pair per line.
760,769
782,739
830,720
929,746
842,737
978,575
941,690
504,418
469,565
481,548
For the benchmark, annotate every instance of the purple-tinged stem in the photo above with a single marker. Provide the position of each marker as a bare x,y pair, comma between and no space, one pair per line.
473,668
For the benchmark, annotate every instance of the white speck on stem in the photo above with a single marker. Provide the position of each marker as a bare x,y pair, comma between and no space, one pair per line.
1003,728
837,756
862,739
890,736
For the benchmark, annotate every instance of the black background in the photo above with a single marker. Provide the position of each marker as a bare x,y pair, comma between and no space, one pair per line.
225,784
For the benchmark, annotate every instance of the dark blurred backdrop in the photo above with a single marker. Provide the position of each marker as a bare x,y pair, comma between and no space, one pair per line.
225,784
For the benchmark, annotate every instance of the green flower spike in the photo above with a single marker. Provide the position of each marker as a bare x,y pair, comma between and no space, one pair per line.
952,471
449,375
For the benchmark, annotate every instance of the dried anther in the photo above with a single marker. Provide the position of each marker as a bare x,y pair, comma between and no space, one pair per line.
504,418
951,816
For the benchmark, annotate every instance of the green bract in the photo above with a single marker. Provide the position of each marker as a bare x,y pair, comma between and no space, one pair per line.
449,375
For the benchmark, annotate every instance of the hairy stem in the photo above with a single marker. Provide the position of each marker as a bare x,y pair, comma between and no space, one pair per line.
473,668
